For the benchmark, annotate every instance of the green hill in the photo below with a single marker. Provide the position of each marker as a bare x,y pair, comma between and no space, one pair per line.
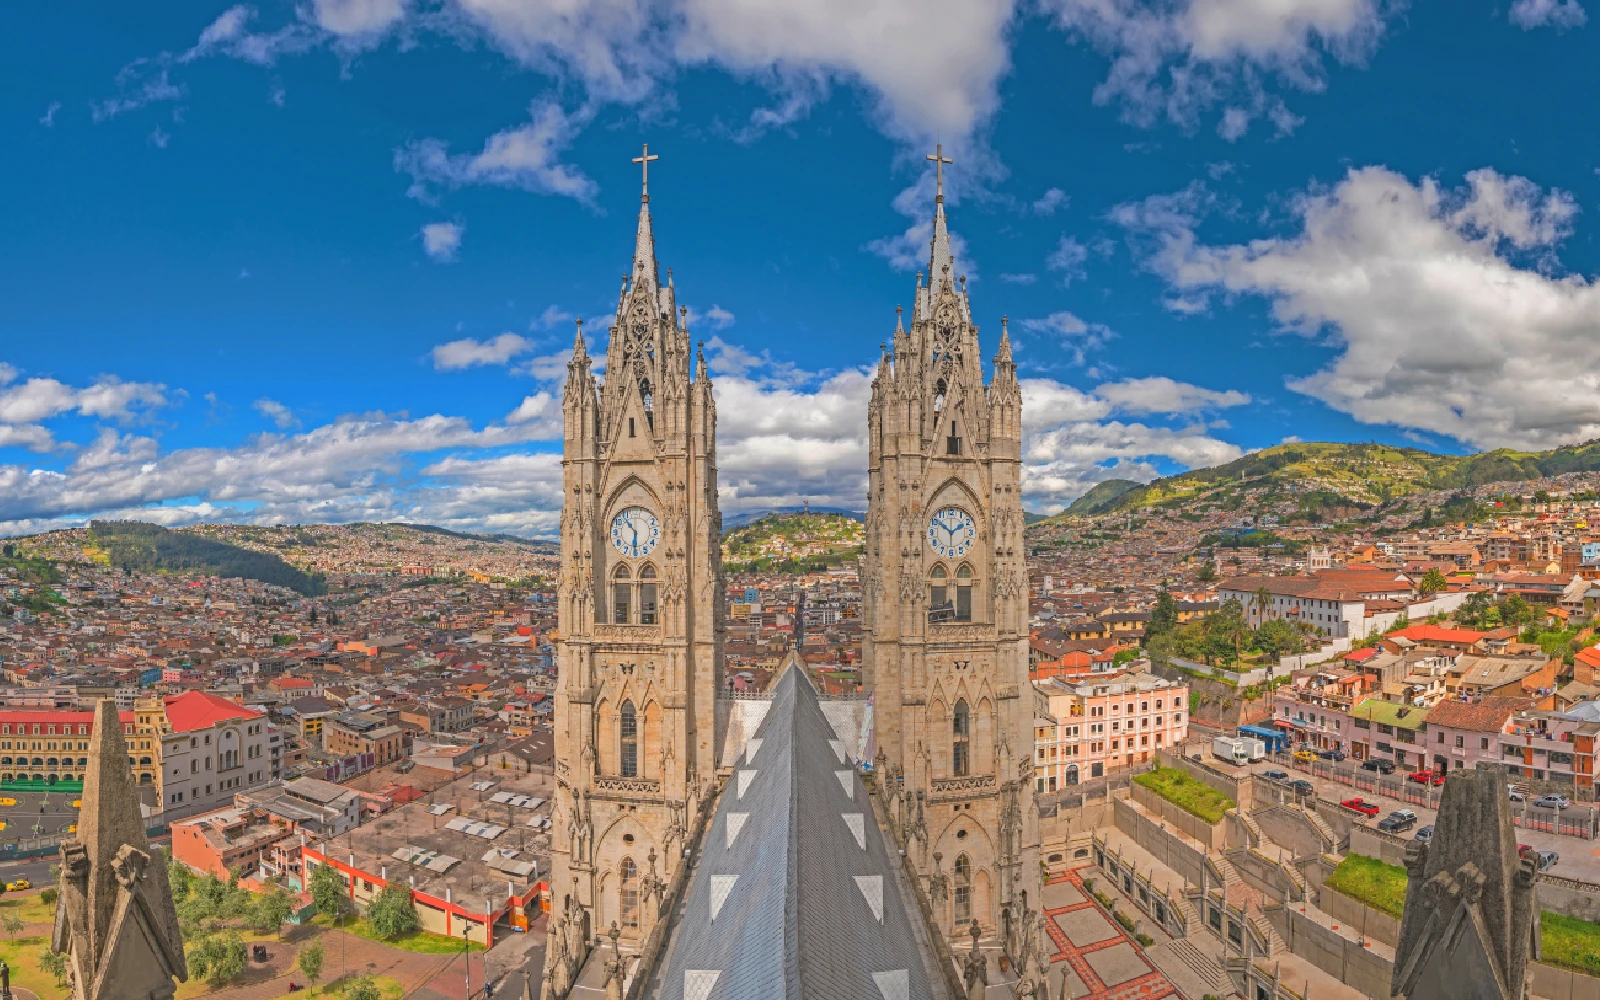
802,542
1102,496
150,548
1356,476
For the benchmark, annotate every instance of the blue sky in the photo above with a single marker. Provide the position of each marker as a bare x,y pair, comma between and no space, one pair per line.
321,261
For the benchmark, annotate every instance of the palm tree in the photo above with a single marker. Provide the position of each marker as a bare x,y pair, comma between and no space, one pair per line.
1263,599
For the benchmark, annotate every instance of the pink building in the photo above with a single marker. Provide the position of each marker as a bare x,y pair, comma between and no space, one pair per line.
1098,725
1460,734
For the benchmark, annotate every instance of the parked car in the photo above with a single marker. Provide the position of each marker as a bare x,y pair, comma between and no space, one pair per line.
1303,787
1361,806
1425,834
1397,821
1547,859
18,885
1332,755
1304,756
1427,777
1552,802
1515,795
1276,775
1379,765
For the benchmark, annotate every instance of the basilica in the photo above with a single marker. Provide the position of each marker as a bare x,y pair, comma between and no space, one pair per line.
706,846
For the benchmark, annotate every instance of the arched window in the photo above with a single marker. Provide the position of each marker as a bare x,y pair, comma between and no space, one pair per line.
961,736
629,902
647,595
1072,774
963,893
649,400
144,761
939,391
964,594
621,596
630,741
938,593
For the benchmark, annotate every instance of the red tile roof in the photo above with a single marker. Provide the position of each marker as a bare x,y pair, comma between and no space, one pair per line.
194,710
1438,633
1486,716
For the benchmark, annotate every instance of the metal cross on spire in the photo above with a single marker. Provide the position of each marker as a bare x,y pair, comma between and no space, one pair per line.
939,162
644,161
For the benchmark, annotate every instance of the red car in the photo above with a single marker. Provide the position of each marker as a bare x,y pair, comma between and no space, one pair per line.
1426,777
1361,806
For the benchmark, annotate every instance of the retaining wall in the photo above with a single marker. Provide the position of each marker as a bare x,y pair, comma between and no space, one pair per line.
1263,874
1193,826
1166,848
1359,917
1287,828
1331,952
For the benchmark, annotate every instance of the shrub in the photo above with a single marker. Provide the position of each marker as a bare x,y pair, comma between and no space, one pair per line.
392,914
48,897
1125,920
309,960
1144,940
218,959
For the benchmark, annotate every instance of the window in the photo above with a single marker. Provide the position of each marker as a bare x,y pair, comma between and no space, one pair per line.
1483,743
647,596
1441,737
629,902
961,733
964,594
963,893
1461,742
630,741
938,588
630,427
622,596
952,444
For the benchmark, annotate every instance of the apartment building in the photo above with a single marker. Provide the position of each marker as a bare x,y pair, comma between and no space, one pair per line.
316,807
363,733
441,715
235,837
212,749
1098,726
1462,734
46,747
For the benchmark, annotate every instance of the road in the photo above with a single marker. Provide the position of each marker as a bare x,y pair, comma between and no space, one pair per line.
1580,859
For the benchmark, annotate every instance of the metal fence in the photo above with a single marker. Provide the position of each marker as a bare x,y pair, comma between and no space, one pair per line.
1574,821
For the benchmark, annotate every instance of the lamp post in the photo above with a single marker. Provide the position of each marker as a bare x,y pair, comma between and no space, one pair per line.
466,953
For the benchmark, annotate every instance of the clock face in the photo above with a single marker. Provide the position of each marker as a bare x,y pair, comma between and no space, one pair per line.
635,532
951,532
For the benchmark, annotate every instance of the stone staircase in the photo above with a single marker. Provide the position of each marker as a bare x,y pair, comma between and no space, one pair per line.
1191,969
1257,837
1330,841
1276,945
1298,879
1228,873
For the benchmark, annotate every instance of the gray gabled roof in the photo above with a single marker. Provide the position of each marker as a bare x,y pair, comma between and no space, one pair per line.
795,895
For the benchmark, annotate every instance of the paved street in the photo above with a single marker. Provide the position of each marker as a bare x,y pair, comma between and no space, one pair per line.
1580,859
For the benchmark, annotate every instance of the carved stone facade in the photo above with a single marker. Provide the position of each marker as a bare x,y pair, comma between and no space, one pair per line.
640,619
945,613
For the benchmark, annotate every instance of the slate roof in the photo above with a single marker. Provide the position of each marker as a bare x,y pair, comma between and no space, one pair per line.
795,895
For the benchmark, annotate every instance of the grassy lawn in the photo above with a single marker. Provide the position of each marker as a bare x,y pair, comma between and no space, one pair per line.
22,955
28,906
1187,794
418,941
1380,886
1570,943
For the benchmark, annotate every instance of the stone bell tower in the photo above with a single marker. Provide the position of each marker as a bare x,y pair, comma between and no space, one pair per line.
945,612
640,646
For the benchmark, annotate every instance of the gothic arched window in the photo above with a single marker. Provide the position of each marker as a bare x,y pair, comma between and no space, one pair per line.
628,889
964,594
649,400
630,741
939,391
963,893
938,591
647,595
960,740
621,596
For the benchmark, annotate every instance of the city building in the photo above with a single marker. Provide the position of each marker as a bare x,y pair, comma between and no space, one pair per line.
47,746
363,733
213,748
225,840
1097,726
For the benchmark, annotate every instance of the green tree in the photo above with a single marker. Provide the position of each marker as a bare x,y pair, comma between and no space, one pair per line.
361,988
1227,630
55,965
271,909
219,958
1163,617
1433,582
13,924
309,961
329,890
1263,601
1207,573
1276,638
392,914
1474,608
1516,611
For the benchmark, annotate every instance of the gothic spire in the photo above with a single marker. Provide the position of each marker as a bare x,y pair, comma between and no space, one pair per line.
644,251
579,352
1003,356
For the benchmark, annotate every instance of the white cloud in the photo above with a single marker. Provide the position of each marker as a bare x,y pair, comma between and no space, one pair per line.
277,413
1163,395
8,373
30,436
1558,14
357,17
1068,258
910,250
1019,279
141,82
49,118
1070,333
441,240
1175,58
466,353
716,317
539,413
1448,310
527,156
110,398
551,316
1050,201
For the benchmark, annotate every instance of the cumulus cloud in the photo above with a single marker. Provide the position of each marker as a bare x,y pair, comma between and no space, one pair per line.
1175,59
1070,334
1448,309
526,156
441,240
109,398
467,353
1558,14
1163,395
1050,201
276,412
716,317
357,17
1068,258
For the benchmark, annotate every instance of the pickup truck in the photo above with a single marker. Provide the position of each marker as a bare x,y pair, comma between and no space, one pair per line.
1398,821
